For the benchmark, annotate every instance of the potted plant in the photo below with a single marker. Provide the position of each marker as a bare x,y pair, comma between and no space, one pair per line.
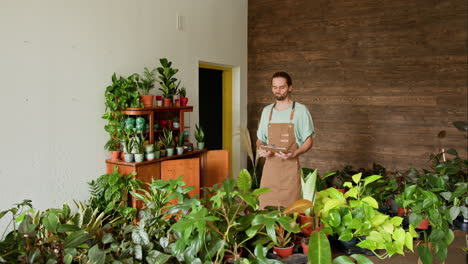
121,94
128,141
167,81
183,96
146,83
175,123
200,137
114,147
354,216
309,183
138,143
180,145
157,149
166,139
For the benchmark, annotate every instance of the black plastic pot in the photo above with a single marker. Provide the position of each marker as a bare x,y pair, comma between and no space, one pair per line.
461,223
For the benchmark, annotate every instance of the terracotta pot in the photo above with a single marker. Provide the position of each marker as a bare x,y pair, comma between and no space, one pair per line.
305,245
115,155
167,102
306,224
424,224
183,101
147,100
341,190
177,102
401,211
284,252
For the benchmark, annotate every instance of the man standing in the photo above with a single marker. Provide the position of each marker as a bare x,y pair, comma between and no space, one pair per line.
286,130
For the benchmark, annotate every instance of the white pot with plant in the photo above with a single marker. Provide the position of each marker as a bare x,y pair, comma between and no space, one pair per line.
200,137
145,84
128,145
139,140
180,145
166,139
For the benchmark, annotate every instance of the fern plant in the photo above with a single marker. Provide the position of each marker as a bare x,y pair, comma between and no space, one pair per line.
110,193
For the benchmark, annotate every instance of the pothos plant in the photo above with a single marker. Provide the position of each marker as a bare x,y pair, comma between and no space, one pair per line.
354,214
121,94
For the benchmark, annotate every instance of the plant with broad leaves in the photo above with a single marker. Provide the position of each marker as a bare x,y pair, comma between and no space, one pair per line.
355,214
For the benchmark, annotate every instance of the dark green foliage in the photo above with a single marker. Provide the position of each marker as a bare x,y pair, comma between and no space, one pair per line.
110,193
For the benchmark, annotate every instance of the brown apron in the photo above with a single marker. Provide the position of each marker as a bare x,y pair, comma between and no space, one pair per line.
281,176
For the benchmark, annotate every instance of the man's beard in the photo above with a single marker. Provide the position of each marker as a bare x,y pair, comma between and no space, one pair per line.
281,97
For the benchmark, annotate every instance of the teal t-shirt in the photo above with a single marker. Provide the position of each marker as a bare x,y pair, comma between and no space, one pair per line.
303,123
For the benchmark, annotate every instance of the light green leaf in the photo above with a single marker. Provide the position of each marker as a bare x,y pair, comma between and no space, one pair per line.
371,201
357,177
371,179
369,244
342,260
378,219
353,192
244,180
409,241
330,204
361,259
321,253
454,212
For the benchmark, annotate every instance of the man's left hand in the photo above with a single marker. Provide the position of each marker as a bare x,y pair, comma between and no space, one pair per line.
285,156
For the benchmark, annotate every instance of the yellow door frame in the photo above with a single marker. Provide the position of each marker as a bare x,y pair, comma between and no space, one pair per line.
227,108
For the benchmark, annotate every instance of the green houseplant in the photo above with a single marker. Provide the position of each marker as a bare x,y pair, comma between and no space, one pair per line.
309,184
354,215
128,141
138,143
167,80
180,145
146,83
167,139
200,137
121,94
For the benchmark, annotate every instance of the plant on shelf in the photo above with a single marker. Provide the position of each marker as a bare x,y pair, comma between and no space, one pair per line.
123,93
128,142
183,96
138,143
157,149
180,145
200,137
167,139
145,84
166,79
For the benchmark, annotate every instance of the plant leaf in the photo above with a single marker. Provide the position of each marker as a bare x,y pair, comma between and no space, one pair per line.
321,253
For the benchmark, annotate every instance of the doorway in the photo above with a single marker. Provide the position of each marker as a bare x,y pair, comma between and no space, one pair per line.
210,83
215,114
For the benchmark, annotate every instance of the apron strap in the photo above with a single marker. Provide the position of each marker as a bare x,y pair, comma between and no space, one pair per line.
291,117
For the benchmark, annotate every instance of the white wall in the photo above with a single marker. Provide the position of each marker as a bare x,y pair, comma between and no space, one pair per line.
57,57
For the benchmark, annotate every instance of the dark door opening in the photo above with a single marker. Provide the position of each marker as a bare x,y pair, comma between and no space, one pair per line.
210,83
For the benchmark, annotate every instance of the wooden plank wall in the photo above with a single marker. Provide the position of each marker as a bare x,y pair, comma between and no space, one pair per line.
380,77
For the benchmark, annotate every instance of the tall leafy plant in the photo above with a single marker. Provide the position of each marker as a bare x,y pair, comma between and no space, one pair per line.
121,94
166,77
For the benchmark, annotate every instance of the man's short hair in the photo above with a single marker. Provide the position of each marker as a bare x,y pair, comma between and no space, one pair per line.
284,75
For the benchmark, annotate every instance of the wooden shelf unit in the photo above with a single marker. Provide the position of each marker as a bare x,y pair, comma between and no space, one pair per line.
152,111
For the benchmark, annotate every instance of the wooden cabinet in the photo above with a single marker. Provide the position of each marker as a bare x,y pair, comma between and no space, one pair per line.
199,168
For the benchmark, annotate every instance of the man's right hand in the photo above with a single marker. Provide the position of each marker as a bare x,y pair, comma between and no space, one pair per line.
264,153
